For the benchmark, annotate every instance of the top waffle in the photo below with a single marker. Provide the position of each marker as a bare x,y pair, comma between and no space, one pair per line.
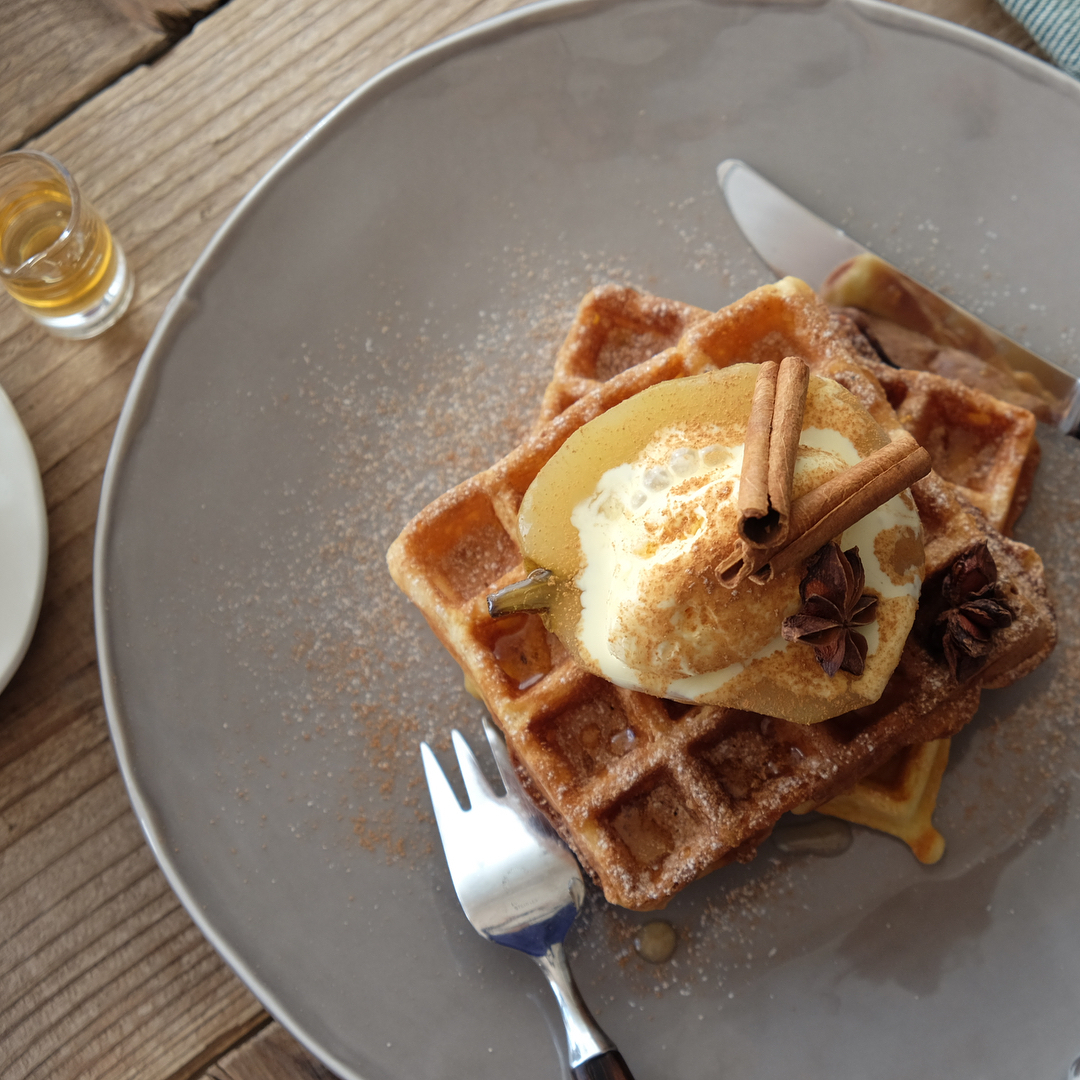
985,447
652,794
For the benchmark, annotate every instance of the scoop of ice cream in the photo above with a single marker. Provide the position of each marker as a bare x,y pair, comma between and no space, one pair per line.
638,507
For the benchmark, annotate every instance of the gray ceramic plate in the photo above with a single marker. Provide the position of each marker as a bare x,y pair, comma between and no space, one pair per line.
374,324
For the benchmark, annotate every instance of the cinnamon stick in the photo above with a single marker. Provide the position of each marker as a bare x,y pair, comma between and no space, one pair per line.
791,387
770,450
754,479
824,513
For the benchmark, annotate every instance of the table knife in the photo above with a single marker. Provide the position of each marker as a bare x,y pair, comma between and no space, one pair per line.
793,240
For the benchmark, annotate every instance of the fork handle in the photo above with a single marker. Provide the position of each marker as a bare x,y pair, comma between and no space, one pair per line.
609,1066
592,1054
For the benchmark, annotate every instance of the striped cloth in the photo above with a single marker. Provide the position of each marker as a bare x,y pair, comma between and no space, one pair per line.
1055,25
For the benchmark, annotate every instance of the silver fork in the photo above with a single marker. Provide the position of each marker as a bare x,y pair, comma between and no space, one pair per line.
519,886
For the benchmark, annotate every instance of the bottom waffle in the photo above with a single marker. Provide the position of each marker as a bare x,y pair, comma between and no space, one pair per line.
898,798
652,794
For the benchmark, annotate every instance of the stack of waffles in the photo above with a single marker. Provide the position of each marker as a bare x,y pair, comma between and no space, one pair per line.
651,794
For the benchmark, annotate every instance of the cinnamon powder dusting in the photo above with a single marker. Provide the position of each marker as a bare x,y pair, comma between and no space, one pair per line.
355,677
368,681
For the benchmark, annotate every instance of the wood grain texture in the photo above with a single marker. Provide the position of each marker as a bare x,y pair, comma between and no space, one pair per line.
102,974
56,53
271,1055
164,14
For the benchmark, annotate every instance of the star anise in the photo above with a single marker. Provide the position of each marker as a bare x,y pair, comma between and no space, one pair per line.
833,604
974,610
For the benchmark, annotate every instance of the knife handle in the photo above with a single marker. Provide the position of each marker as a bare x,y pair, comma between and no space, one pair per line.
609,1066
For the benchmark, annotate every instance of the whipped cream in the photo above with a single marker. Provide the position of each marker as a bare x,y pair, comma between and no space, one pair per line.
631,552
648,493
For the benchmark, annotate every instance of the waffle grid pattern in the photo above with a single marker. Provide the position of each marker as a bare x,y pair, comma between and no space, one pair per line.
651,794
899,798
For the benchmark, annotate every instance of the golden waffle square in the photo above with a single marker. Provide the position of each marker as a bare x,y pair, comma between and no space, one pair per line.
652,794
615,328
984,446
898,798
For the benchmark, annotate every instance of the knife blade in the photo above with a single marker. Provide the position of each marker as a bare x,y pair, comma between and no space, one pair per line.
793,240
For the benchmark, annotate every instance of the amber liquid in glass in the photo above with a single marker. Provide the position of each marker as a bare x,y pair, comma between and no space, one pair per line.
74,277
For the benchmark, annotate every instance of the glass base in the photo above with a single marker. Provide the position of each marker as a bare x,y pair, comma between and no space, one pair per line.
101,314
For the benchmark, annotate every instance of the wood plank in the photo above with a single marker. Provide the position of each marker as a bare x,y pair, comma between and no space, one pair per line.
73,471
101,972
170,15
60,852
46,996
95,942
156,981
32,770
58,679
91,764
272,1054
56,53
60,932
225,1015
71,574
32,717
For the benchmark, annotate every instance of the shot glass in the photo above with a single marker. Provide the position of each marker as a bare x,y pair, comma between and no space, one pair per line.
58,259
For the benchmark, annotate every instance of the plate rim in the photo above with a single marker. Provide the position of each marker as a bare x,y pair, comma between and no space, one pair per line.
185,302
34,524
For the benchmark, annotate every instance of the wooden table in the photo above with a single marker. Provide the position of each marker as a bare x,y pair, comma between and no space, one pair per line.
102,973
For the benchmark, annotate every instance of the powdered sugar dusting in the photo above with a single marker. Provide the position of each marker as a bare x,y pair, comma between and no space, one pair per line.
395,419
403,416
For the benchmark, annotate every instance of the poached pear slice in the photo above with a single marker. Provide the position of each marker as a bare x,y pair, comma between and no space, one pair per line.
634,512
